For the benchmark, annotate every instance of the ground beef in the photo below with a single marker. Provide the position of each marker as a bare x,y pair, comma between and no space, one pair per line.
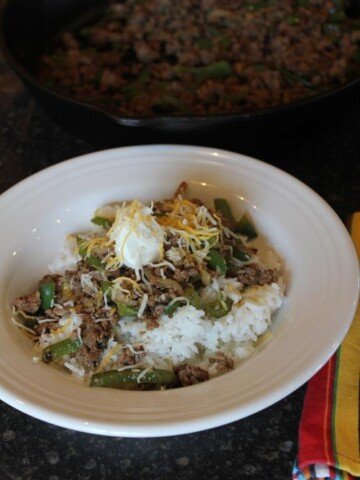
254,274
86,305
95,337
221,362
151,322
127,357
85,358
181,190
198,202
46,327
57,312
159,310
186,275
83,267
130,358
109,313
189,375
152,57
168,285
28,303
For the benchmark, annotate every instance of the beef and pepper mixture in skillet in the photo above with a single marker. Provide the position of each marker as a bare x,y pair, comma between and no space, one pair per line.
160,295
145,57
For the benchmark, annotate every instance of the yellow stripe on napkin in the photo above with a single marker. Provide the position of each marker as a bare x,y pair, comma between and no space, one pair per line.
346,411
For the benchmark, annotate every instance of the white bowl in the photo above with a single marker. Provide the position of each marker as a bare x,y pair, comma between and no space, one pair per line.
322,291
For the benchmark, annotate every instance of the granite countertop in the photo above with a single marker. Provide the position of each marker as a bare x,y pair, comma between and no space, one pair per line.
260,447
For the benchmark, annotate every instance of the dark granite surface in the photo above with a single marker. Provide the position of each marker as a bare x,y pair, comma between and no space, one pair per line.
263,446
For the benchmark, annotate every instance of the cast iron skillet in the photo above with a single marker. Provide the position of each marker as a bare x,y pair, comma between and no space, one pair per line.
26,26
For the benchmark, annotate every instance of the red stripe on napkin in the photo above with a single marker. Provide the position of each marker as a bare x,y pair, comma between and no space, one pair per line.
317,417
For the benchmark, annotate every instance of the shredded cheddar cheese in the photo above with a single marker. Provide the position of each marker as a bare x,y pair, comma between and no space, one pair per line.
193,224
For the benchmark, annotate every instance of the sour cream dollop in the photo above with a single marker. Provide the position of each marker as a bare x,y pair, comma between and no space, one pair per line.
139,239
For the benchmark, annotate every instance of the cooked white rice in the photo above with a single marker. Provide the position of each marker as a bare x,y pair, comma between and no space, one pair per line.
189,336
67,258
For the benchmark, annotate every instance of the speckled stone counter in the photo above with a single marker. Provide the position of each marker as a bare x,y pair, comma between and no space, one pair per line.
260,447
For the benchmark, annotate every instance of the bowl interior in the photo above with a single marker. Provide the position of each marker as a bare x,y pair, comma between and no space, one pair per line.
321,277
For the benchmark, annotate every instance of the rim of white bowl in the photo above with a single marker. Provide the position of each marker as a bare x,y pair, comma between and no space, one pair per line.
167,428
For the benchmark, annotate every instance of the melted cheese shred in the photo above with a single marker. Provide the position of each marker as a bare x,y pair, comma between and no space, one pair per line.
126,286
193,224
94,243
143,305
112,349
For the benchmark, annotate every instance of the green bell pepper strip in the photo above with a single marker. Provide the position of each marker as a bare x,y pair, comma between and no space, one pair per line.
245,227
222,206
237,99
293,20
241,255
193,297
214,309
136,85
216,261
204,43
116,379
291,78
91,260
213,241
106,287
169,103
102,222
47,294
95,262
170,309
218,70
125,311
217,309
224,41
60,349
337,17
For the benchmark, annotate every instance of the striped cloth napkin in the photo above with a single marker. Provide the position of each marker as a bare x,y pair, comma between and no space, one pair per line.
329,425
